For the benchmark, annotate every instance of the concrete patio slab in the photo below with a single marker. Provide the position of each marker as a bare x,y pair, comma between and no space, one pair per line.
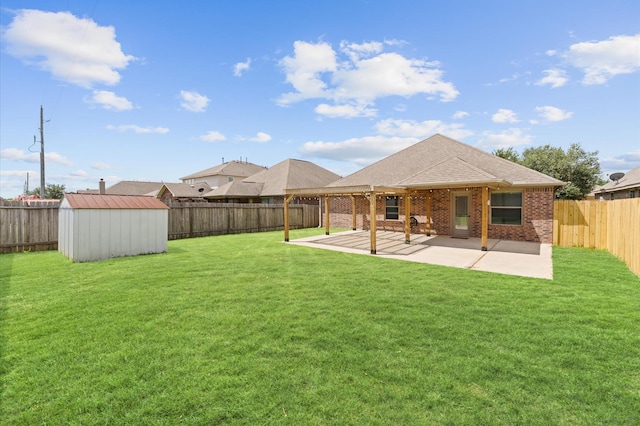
505,257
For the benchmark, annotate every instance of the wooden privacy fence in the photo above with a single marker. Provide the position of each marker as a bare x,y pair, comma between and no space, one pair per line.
612,225
188,220
34,227
28,226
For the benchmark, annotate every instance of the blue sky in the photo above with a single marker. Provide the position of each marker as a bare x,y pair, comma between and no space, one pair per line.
156,90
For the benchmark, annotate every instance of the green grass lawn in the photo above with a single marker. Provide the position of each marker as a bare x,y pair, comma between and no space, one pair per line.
245,329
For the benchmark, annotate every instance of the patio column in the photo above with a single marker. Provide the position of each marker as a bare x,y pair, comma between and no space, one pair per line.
286,217
372,221
407,218
353,213
428,226
326,215
485,217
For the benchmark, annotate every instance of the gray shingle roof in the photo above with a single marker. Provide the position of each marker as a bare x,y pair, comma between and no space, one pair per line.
184,190
628,181
273,181
128,187
232,168
292,173
441,161
237,188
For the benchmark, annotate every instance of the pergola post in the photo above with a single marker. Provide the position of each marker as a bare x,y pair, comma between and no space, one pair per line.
407,218
428,225
326,215
354,217
485,218
373,221
286,217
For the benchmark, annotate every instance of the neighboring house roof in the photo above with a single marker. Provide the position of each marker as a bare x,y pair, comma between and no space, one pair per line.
232,168
292,173
630,180
184,190
236,189
97,201
439,161
128,187
273,181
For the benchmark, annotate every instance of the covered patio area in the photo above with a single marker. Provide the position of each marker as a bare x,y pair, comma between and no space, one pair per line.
526,259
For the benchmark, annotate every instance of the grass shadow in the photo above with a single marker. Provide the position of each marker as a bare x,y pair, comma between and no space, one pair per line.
6,262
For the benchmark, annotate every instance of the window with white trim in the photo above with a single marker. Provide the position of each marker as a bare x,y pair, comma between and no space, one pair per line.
506,208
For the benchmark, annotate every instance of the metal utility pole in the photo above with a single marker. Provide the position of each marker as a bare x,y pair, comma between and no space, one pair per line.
41,153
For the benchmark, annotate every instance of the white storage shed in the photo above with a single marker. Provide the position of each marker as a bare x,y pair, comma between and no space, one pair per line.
94,227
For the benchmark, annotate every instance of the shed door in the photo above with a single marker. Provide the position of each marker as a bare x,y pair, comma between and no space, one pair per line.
461,215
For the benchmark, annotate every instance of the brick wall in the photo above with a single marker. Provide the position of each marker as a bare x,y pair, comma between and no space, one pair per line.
537,214
537,218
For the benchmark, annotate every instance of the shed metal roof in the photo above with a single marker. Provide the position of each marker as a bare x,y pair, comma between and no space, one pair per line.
97,201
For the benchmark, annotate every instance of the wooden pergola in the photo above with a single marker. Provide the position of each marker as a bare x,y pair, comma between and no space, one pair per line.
371,192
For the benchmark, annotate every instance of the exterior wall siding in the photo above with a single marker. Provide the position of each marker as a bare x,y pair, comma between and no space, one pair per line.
537,214
94,234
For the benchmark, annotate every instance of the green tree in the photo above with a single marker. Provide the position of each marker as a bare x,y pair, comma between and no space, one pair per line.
51,191
578,168
508,154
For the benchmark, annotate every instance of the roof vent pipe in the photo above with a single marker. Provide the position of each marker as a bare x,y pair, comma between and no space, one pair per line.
102,189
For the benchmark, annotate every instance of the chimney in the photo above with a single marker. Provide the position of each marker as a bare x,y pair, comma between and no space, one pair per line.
101,186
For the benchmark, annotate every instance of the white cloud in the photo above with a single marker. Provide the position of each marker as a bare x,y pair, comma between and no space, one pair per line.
554,78
100,166
79,173
241,67
345,111
505,139
72,49
110,101
390,74
212,136
393,135
362,151
621,163
602,60
20,173
550,113
364,74
15,154
193,101
138,129
54,157
304,68
421,129
356,51
460,114
261,137
504,116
